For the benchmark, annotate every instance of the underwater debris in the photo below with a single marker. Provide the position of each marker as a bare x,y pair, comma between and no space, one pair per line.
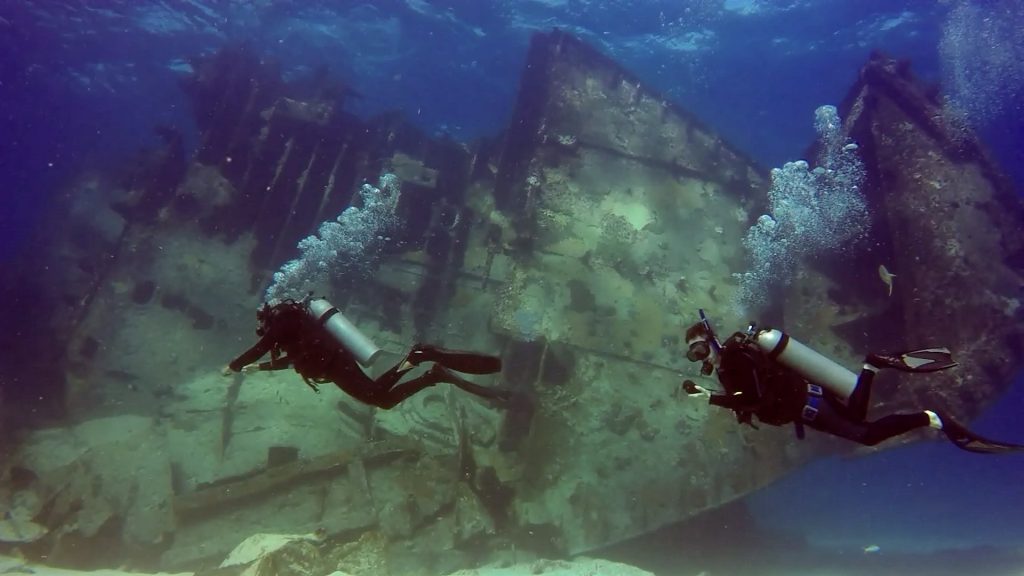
234,492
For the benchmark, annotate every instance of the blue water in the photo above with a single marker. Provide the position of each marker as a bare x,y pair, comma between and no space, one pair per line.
922,497
82,83
73,73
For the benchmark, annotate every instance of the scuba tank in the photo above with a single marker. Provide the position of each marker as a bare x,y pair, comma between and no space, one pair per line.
813,366
344,331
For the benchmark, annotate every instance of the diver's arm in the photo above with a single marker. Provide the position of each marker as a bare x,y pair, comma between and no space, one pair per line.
736,402
279,363
733,402
692,389
251,355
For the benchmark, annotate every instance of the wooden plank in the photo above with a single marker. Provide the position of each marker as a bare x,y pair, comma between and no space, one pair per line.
232,493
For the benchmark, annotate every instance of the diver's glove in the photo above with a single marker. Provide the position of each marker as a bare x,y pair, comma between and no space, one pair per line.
693,389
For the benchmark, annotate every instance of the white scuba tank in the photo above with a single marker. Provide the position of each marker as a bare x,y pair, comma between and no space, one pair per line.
344,331
813,366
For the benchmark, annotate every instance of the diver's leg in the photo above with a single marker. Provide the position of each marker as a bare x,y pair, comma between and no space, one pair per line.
257,351
897,424
436,375
893,425
965,439
467,386
857,405
833,419
393,395
351,379
387,380
923,360
458,360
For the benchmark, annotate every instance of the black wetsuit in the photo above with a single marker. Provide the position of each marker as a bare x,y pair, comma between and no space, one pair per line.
757,386
297,340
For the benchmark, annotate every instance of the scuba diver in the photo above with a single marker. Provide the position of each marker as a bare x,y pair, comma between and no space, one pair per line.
768,374
315,339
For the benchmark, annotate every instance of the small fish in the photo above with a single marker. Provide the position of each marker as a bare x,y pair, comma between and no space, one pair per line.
886,277
872,549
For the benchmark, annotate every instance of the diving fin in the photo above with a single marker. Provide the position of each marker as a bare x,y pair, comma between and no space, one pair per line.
458,360
923,360
442,374
967,440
